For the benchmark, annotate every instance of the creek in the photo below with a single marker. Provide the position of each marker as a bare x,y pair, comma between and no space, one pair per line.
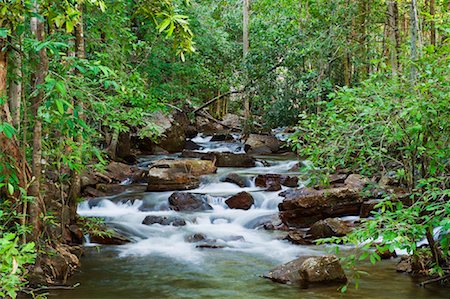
160,262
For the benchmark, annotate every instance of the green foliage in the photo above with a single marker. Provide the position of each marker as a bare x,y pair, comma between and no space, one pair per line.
13,260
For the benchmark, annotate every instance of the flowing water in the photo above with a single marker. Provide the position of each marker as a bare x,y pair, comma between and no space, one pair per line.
161,263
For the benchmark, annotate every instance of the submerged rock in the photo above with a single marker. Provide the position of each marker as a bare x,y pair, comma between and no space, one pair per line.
180,201
307,270
242,200
163,220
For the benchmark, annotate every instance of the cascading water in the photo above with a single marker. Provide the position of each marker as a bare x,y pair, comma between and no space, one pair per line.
162,262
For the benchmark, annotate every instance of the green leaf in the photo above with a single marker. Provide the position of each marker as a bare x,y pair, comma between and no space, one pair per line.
3,32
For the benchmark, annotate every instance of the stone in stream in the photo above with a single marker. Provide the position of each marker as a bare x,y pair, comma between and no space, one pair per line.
222,137
330,227
298,237
303,207
262,144
163,220
223,159
180,201
170,175
236,179
108,238
268,180
309,270
191,145
196,238
242,200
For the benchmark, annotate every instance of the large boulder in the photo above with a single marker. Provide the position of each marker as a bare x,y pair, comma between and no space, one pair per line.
307,270
222,159
262,144
321,270
242,201
169,175
180,201
303,207
330,227
234,160
172,128
163,220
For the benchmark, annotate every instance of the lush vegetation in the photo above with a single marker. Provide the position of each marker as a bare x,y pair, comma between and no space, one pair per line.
365,83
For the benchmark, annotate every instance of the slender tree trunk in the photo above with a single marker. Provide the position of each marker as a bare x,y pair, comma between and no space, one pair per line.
246,45
394,36
37,206
432,23
416,41
75,187
15,88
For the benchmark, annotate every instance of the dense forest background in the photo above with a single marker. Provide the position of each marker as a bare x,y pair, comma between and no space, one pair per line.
364,83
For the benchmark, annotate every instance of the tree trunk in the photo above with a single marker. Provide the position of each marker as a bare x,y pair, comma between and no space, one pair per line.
415,37
432,23
246,45
15,89
394,36
37,206
75,186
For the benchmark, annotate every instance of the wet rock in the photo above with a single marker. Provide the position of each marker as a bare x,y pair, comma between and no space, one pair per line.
322,270
205,125
222,137
298,237
303,207
331,227
193,167
76,234
236,179
173,136
337,178
232,121
367,207
191,145
234,160
196,238
169,175
243,201
288,273
265,180
114,189
163,220
386,255
262,144
210,246
180,201
118,172
273,186
356,181
109,238
222,159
